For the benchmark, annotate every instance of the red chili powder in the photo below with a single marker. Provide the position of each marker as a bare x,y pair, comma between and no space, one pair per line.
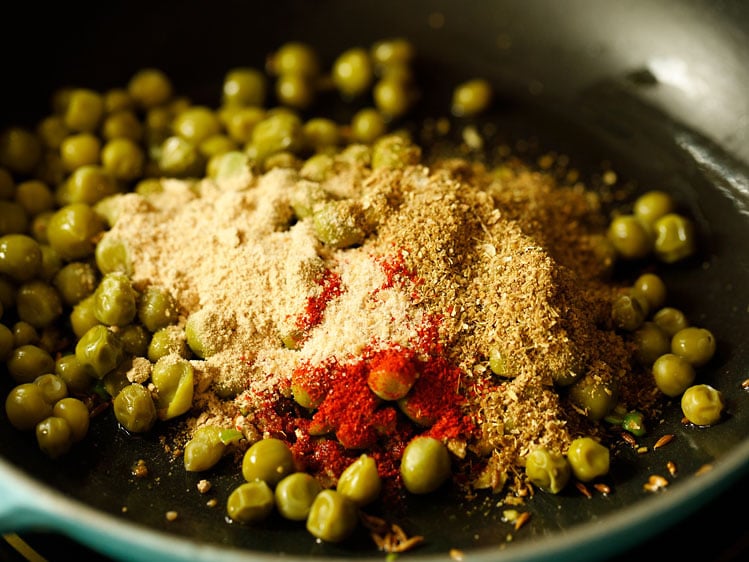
360,422
316,304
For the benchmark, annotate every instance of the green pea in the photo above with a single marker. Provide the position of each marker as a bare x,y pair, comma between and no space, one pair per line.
77,376
269,460
628,312
333,517
295,494
53,387
630,237
170,340
634,422
101,349
54,436
702,404
52,262
360,481
240,123
670,320
425,465
675,238
20,150
652,342
82,317
173,378
80,149
250,502
123,159
26,406
6,342
89,184
352,72
295,90
135,340
595,395
150,87
134,408
204,450
157,308
393,151
38,303
112,255
115,300
75,281
196,123
652,205
652,287
179,158
696,345
20,257
499,363
84,110
673,374
281,131
548,470
27,362
244,86
588,459
72,231
471,98
76,413
305,196
24,334
295,56
393,96
367,125
122,124
391,381
321,133
339,224
35,196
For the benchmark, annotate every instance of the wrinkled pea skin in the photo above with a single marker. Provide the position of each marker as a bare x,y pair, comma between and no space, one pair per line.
360,481
588,459
702,404
250,502
333,517
204,450
101,349
115,300
173,378
548,470
134,408
295,494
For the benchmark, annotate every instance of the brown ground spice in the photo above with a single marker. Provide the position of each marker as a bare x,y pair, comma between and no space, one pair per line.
508,262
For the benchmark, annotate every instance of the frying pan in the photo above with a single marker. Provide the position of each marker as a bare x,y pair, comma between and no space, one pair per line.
657,89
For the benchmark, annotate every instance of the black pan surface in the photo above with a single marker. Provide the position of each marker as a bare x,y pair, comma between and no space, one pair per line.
654,90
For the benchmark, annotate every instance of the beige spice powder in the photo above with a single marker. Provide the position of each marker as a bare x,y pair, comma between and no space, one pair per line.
508,263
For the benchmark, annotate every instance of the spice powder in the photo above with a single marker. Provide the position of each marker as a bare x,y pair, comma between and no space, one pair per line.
459,263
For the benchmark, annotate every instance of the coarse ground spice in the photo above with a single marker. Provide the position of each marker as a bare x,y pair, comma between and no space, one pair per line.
458,262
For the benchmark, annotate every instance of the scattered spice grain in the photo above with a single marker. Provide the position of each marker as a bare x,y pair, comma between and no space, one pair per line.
663,441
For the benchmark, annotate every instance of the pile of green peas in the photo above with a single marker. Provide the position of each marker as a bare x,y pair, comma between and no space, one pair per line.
68,305
653,227
670,346
273,482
